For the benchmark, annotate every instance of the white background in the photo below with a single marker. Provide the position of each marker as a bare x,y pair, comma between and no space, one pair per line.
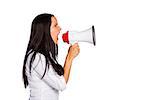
117,68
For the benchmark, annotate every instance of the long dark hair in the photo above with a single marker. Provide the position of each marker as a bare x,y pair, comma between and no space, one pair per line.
41,42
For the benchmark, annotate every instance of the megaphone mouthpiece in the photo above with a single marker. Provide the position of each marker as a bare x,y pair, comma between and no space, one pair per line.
65,37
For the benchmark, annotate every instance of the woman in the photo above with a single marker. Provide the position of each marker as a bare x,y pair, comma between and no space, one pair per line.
41,71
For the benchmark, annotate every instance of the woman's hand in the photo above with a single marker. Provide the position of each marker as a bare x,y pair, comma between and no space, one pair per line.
73,51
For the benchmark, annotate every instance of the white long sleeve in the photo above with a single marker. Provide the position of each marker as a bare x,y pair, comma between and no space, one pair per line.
47,88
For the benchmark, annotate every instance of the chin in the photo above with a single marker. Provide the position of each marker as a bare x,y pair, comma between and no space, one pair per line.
56,42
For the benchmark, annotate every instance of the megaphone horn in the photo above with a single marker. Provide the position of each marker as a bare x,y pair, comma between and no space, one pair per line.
87,35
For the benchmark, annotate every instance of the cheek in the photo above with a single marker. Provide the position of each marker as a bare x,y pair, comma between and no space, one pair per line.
56,31
53,35
53,30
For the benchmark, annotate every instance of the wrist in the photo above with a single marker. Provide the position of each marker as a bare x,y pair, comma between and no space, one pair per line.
69,58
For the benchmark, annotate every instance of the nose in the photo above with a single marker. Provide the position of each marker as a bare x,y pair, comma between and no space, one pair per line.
59,28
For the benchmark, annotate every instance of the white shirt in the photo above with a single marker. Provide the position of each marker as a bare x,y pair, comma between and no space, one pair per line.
47,88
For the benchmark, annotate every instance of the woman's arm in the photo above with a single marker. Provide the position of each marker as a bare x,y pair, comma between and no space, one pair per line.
72,53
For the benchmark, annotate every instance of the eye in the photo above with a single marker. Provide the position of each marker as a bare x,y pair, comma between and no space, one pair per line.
56,25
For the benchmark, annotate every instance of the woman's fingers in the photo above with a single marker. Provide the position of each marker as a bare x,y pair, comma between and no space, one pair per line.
74,50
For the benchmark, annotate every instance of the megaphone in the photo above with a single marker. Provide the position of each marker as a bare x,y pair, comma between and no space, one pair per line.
87,35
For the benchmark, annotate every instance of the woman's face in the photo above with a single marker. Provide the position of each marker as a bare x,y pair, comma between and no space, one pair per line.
55,29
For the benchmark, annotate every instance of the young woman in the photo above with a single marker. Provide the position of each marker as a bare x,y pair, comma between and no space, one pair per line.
41,71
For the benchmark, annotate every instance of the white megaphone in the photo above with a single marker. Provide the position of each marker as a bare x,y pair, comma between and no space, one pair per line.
87,35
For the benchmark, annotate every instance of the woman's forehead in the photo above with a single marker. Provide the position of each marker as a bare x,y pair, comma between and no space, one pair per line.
54,20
